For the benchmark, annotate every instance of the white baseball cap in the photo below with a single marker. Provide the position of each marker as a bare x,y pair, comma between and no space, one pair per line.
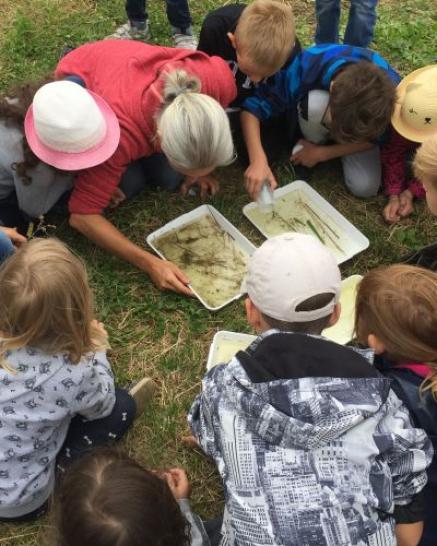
289,269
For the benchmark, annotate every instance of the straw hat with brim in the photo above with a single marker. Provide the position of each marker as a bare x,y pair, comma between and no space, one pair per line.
70,127
415,114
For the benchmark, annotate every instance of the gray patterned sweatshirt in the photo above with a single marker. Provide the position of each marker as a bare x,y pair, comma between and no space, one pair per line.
38,399
313,446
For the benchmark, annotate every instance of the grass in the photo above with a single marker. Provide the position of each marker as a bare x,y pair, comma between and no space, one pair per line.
162,334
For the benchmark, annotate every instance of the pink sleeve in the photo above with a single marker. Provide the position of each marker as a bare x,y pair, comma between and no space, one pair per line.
93,187
416,189
394,163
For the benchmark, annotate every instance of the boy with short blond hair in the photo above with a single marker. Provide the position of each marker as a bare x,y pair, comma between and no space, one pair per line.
256,40
312,445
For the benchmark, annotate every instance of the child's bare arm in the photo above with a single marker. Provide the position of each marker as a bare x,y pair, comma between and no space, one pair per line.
311,154
409,534
258,171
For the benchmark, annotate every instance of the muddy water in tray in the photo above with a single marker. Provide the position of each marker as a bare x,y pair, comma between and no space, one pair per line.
296,212
209,256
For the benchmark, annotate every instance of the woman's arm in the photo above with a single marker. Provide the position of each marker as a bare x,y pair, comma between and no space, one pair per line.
164,274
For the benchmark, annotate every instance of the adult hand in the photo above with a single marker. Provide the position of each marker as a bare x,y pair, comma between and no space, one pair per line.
167,276
391,210
117,197
406,203
208,185
256,174
309,155
16,238
177,480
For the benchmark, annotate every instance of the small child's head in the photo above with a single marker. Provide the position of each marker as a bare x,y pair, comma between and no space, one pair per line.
425,169
415,113
293,284
108,499
396,313
361,103
47,302
264,38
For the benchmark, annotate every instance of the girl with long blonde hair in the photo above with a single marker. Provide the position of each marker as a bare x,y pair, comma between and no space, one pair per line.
57,396
396,315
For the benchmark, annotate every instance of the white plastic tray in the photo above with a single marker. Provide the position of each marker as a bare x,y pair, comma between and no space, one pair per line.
224,347
244,244
353,241
343,331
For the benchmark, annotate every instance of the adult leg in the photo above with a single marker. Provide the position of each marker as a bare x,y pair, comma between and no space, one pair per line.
178,14
362,172
134,179
361,23
328,17
84,435
6,247
160,174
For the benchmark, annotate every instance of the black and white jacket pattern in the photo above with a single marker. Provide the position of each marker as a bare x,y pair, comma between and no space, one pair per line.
313,446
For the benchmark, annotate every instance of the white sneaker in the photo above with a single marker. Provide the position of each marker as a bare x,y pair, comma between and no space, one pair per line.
185,41
129,32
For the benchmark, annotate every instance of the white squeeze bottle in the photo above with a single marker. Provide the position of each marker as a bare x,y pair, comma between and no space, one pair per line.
265,198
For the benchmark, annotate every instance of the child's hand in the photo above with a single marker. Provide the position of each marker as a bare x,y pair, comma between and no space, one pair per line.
16,238
309,155
391,211
256,174
406,203
177,480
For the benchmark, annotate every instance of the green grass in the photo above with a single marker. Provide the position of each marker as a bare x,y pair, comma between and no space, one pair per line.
162,334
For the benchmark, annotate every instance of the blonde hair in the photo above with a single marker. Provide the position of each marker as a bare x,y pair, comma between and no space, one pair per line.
193,128
425,161
265,33
398,304
46,302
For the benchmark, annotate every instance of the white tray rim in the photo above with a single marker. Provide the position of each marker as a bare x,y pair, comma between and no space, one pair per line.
247,246
359,238
236,335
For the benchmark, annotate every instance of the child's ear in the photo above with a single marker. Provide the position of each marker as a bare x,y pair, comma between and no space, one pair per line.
232,39
253,315
376,344
333,319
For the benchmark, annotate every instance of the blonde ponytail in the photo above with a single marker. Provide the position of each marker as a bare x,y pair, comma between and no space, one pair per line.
193,128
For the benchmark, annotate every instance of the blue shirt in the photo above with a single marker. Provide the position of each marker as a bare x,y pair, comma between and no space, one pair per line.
313,68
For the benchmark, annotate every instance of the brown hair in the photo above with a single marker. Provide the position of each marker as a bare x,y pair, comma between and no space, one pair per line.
107,499
361,101
425,161
398,304
265,32
46,302
13,107
314,327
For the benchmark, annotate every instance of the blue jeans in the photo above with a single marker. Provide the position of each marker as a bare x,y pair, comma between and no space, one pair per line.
360,26
6,247
150,172
178,14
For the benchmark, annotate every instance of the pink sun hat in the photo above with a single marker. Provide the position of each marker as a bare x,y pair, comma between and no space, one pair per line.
70,127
